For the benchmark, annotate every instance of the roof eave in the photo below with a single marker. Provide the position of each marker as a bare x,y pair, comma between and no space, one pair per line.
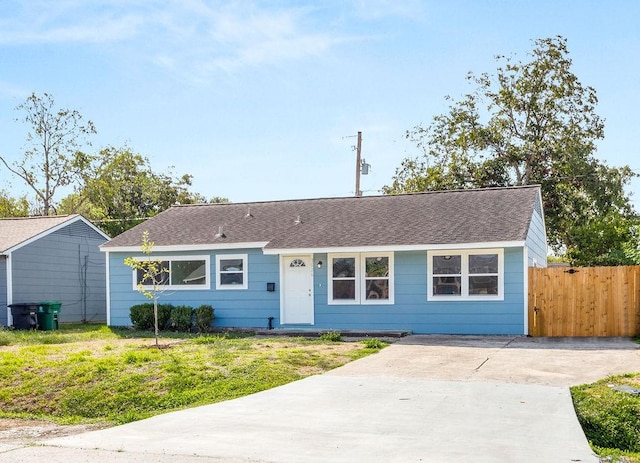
48,231
396,248
187,247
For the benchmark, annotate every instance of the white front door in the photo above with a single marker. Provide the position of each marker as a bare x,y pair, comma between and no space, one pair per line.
297,289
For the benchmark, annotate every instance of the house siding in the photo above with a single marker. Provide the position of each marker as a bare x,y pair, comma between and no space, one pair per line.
250,307
65,266
3,291
536,241
411,310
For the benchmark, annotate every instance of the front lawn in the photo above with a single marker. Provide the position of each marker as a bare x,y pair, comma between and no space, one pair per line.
97,374
610,418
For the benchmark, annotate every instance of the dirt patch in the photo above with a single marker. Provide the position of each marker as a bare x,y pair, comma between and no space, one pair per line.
29,431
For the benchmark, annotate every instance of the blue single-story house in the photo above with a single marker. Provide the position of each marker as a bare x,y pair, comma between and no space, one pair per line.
53,258
437,262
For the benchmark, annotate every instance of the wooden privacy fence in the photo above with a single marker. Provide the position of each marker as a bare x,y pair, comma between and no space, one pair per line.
584,301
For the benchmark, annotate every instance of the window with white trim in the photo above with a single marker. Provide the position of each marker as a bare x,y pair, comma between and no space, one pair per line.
177,272
466,275
360,278
231,271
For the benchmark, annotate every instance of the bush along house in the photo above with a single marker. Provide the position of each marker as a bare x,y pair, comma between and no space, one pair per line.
450,262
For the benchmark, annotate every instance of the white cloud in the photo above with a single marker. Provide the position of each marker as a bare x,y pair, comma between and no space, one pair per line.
377,9
66,22
208,38
191,39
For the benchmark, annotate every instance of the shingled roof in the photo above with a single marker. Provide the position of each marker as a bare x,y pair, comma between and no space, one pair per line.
18,230
446,217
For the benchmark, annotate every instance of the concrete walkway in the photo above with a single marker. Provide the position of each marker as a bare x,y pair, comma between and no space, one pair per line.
423,399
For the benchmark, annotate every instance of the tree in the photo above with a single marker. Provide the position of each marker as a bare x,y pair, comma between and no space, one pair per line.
218,200
13,207
125,190
52,158
529,123
152,277
631,248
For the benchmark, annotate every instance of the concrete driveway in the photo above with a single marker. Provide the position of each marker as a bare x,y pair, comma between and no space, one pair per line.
423,399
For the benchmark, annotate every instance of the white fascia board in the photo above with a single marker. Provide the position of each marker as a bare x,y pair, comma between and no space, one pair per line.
396,248
9,271
187,247
544,220
488,245
48,231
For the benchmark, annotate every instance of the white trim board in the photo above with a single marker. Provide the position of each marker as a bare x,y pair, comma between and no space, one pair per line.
55,228
188,247
396,248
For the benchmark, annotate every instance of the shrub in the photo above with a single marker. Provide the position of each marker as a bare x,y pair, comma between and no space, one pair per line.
164,316
142,316
373,343
204,318
332,336
182,318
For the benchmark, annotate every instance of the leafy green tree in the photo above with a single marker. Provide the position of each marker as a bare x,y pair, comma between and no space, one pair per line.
529,123
124,191
219,200
52,158
601,241
13,207
631,248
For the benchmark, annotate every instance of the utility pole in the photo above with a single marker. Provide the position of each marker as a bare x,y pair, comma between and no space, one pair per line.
358,162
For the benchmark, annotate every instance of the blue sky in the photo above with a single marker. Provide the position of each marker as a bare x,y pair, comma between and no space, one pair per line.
261,100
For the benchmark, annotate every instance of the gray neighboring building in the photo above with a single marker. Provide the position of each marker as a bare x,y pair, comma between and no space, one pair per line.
53,258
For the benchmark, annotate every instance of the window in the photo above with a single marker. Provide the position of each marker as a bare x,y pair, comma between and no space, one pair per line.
376,277
180,272
231,271
297,263
361,278
343,278
470,275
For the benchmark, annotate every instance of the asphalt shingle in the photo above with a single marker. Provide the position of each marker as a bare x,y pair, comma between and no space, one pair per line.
446,217
14,231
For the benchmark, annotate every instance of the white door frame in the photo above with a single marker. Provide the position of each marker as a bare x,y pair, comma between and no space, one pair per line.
284,260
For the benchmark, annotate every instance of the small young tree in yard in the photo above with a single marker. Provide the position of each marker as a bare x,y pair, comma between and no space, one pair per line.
152,276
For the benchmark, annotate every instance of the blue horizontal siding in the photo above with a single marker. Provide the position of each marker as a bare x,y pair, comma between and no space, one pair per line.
233,308
536,244
411,310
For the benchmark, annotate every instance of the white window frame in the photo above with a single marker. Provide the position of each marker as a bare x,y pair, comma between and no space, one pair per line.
360,279
207,273
464,294
245,272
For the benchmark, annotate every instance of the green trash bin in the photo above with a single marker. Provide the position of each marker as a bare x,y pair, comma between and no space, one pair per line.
48,315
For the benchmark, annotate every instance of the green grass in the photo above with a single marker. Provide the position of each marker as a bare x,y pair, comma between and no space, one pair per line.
610,419
96,374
